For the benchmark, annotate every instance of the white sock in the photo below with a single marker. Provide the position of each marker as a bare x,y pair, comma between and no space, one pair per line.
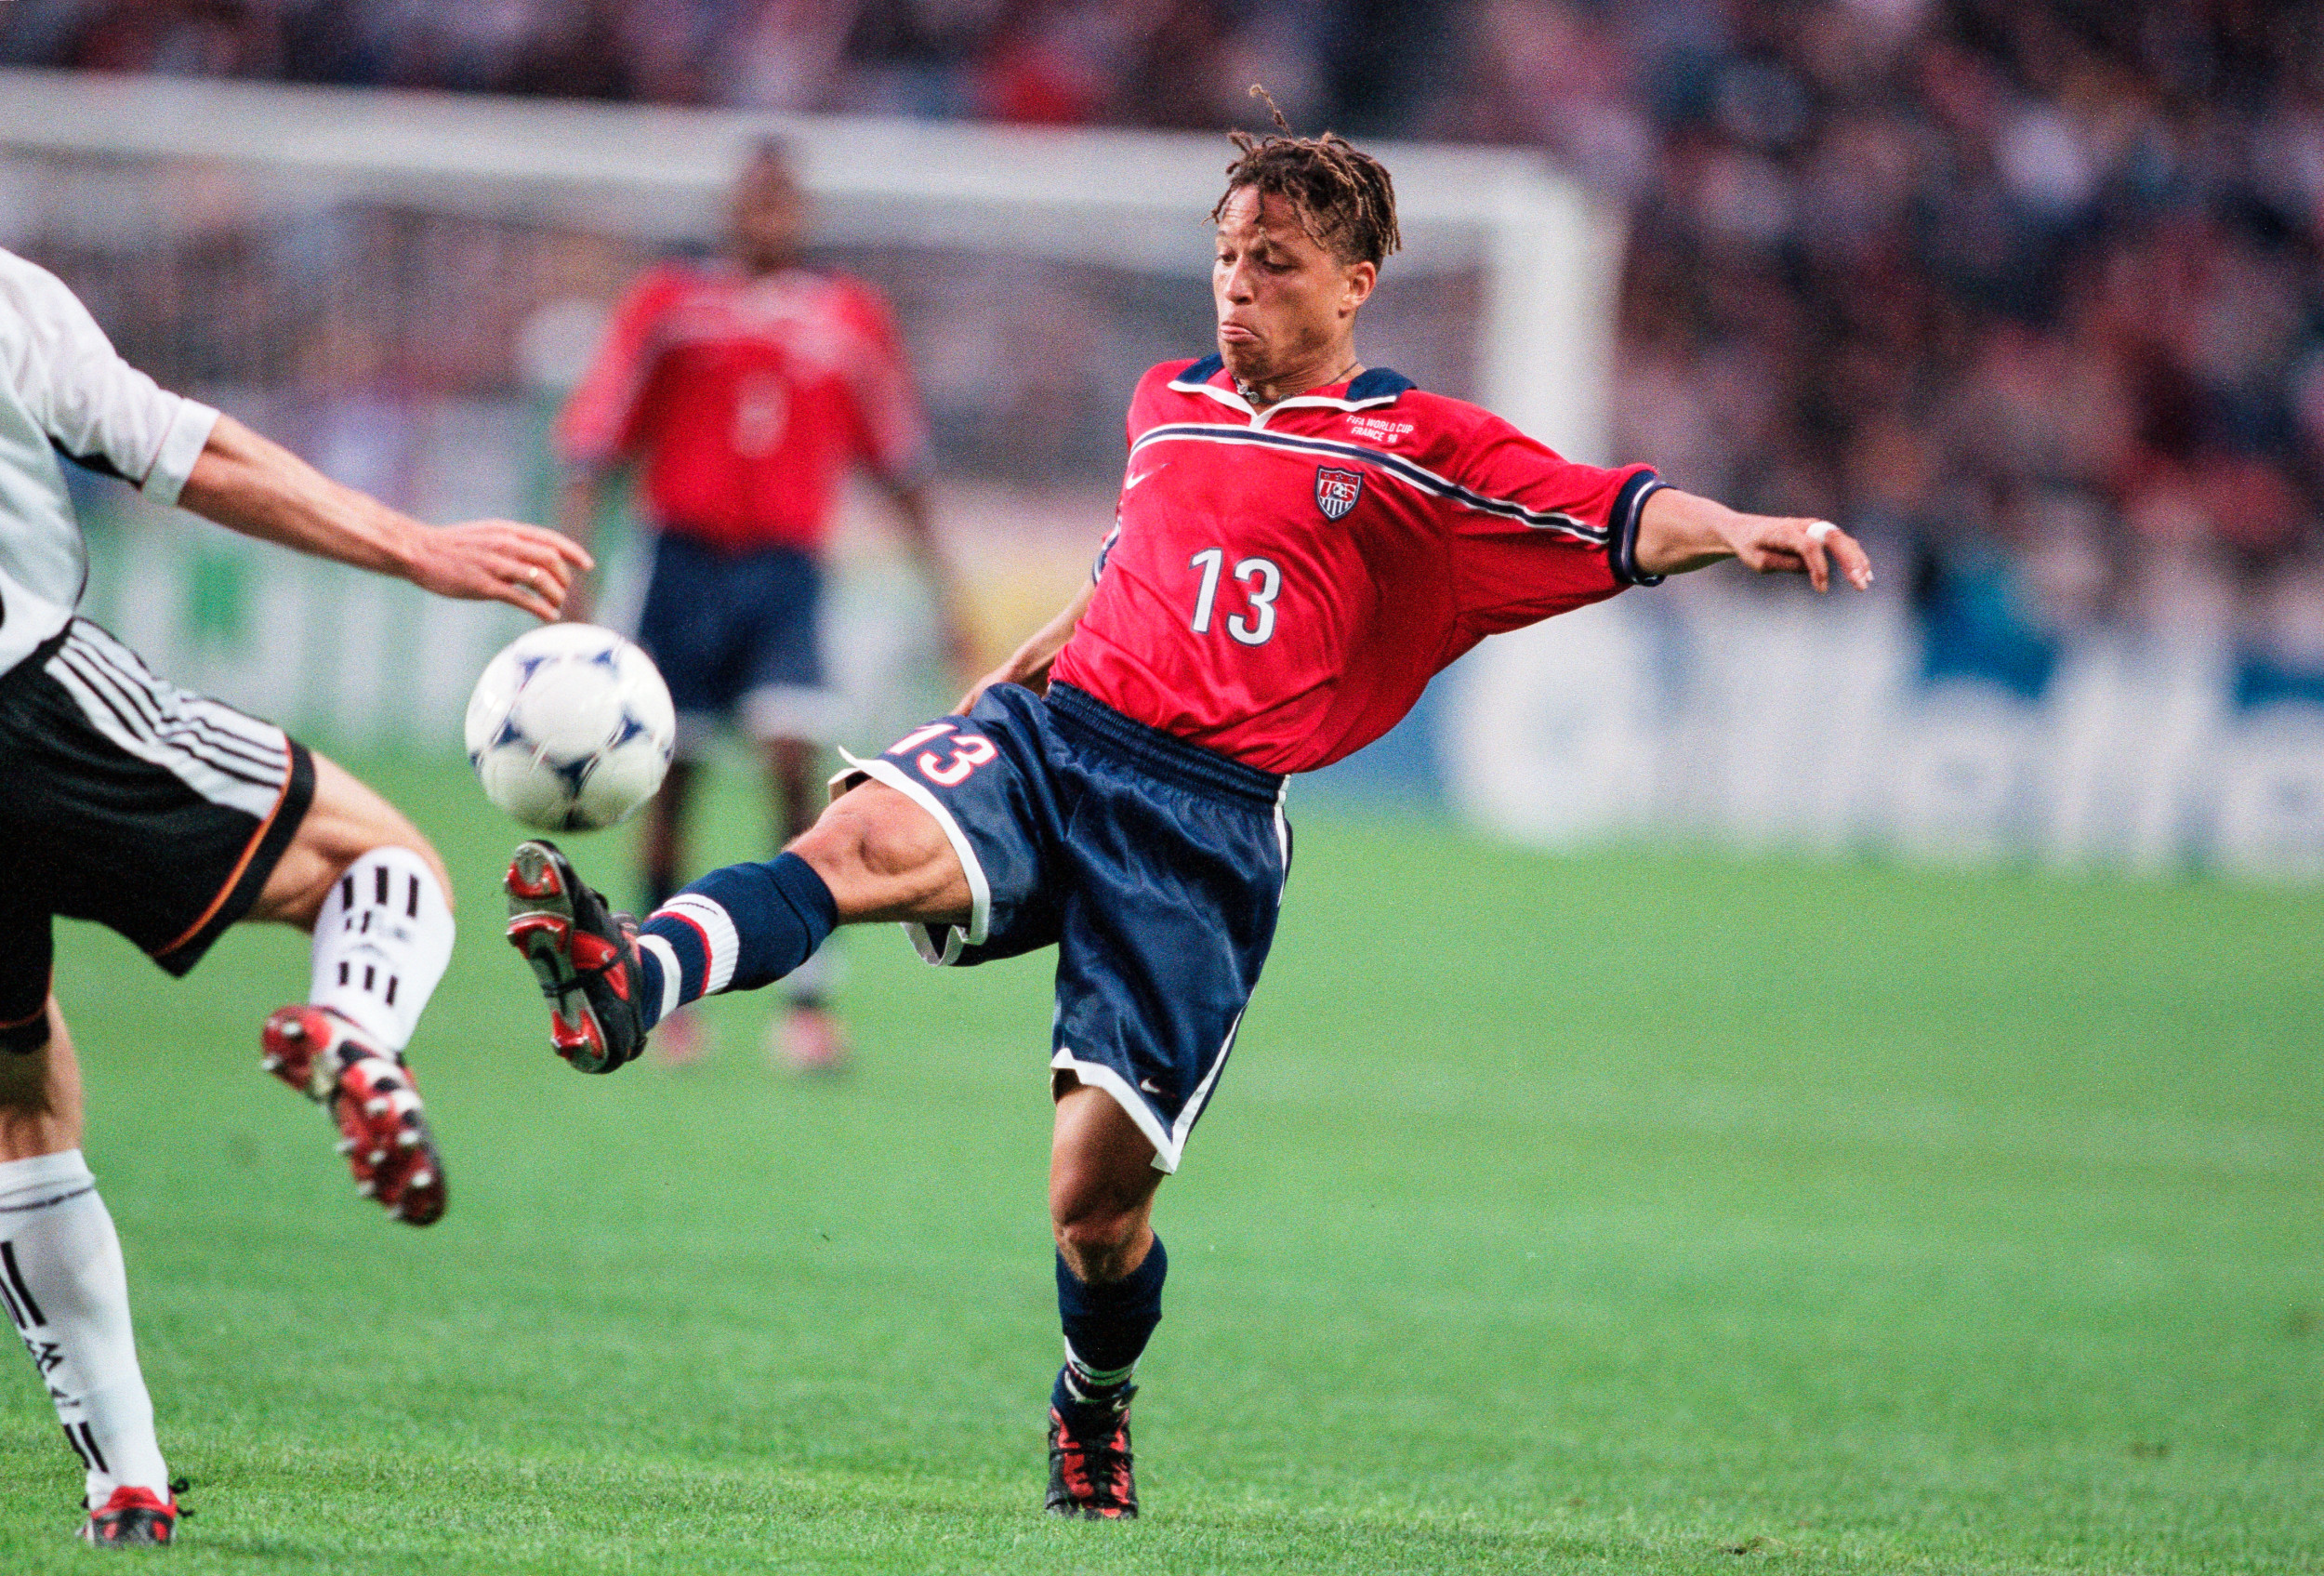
381,944
62,1282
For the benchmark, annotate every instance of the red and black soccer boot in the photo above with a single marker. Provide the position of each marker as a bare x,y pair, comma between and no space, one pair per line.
383,1126
585,954
133,1518
1091,1471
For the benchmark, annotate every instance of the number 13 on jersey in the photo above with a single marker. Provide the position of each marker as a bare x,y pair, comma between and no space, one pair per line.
1262,583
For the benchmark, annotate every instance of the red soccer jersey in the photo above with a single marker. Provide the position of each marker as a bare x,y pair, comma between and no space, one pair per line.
748,399
1280,586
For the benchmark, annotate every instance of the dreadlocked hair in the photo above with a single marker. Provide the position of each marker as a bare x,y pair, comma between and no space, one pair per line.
1343,195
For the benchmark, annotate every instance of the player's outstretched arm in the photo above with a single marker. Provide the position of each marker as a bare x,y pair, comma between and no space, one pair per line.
1029,665
250,484
1678,531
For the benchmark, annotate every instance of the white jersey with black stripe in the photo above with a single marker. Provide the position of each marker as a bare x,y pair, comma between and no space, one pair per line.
64,389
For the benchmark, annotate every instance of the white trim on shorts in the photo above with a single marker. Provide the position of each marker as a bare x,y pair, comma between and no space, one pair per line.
228,757
1170,1143
1283,850
1097,1075
1201,1096
979,890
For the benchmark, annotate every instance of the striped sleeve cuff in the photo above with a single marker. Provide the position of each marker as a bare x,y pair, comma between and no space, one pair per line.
1621,534
182,446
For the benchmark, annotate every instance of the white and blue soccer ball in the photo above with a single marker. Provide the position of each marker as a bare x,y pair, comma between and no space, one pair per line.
569,728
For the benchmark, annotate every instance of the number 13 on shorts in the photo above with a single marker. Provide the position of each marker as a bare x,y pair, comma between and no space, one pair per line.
969,752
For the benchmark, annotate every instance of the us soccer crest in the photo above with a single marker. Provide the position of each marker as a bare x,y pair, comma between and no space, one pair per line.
1336,491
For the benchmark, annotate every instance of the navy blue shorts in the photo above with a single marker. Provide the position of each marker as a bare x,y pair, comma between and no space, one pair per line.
735,636
1155,867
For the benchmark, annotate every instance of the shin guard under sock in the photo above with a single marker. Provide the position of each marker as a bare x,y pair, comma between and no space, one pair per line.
1107,1326
62,1286
736,929
381,944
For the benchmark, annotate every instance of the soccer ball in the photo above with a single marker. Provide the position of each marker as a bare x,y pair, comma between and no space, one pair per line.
569,728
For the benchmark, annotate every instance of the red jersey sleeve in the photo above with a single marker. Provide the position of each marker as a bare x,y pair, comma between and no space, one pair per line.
599,422
889,429
1543,535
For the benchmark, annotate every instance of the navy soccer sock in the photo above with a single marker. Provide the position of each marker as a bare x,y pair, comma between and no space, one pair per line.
1106,1328
735,929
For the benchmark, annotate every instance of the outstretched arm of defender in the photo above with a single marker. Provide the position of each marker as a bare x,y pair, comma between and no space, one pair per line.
250,484
1029,665
1679,532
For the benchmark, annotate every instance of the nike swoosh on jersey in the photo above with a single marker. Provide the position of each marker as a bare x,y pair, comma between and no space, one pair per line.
1130,482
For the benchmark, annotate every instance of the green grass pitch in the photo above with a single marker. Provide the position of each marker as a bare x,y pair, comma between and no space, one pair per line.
1603,1214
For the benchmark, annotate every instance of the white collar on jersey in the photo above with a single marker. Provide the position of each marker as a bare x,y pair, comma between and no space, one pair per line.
1380,386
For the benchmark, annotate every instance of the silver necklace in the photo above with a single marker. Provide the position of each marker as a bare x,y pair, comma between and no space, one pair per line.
1250,395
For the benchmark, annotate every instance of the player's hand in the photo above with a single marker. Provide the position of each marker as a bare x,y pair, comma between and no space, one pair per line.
1767,544
498,561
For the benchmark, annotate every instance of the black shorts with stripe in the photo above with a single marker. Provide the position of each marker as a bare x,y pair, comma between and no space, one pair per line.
124,800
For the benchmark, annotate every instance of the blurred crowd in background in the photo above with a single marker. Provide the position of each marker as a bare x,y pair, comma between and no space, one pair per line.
2028,291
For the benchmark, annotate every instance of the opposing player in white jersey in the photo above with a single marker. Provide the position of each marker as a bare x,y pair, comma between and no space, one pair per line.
167,817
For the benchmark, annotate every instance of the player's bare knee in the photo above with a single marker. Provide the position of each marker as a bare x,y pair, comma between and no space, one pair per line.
40,1095
839,846
346,821
877,853
24,1080
1098,1241
349,819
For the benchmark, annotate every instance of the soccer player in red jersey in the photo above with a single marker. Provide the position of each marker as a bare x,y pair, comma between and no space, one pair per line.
745,391
1301,541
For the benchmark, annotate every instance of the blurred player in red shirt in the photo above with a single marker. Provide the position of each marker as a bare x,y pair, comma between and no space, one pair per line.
1301,542
745,391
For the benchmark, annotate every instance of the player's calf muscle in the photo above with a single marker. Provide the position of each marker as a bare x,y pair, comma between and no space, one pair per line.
1102,1186
885,858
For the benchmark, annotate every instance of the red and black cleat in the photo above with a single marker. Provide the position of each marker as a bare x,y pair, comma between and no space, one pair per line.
585,954
1091,1474
132,1517
383,1128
